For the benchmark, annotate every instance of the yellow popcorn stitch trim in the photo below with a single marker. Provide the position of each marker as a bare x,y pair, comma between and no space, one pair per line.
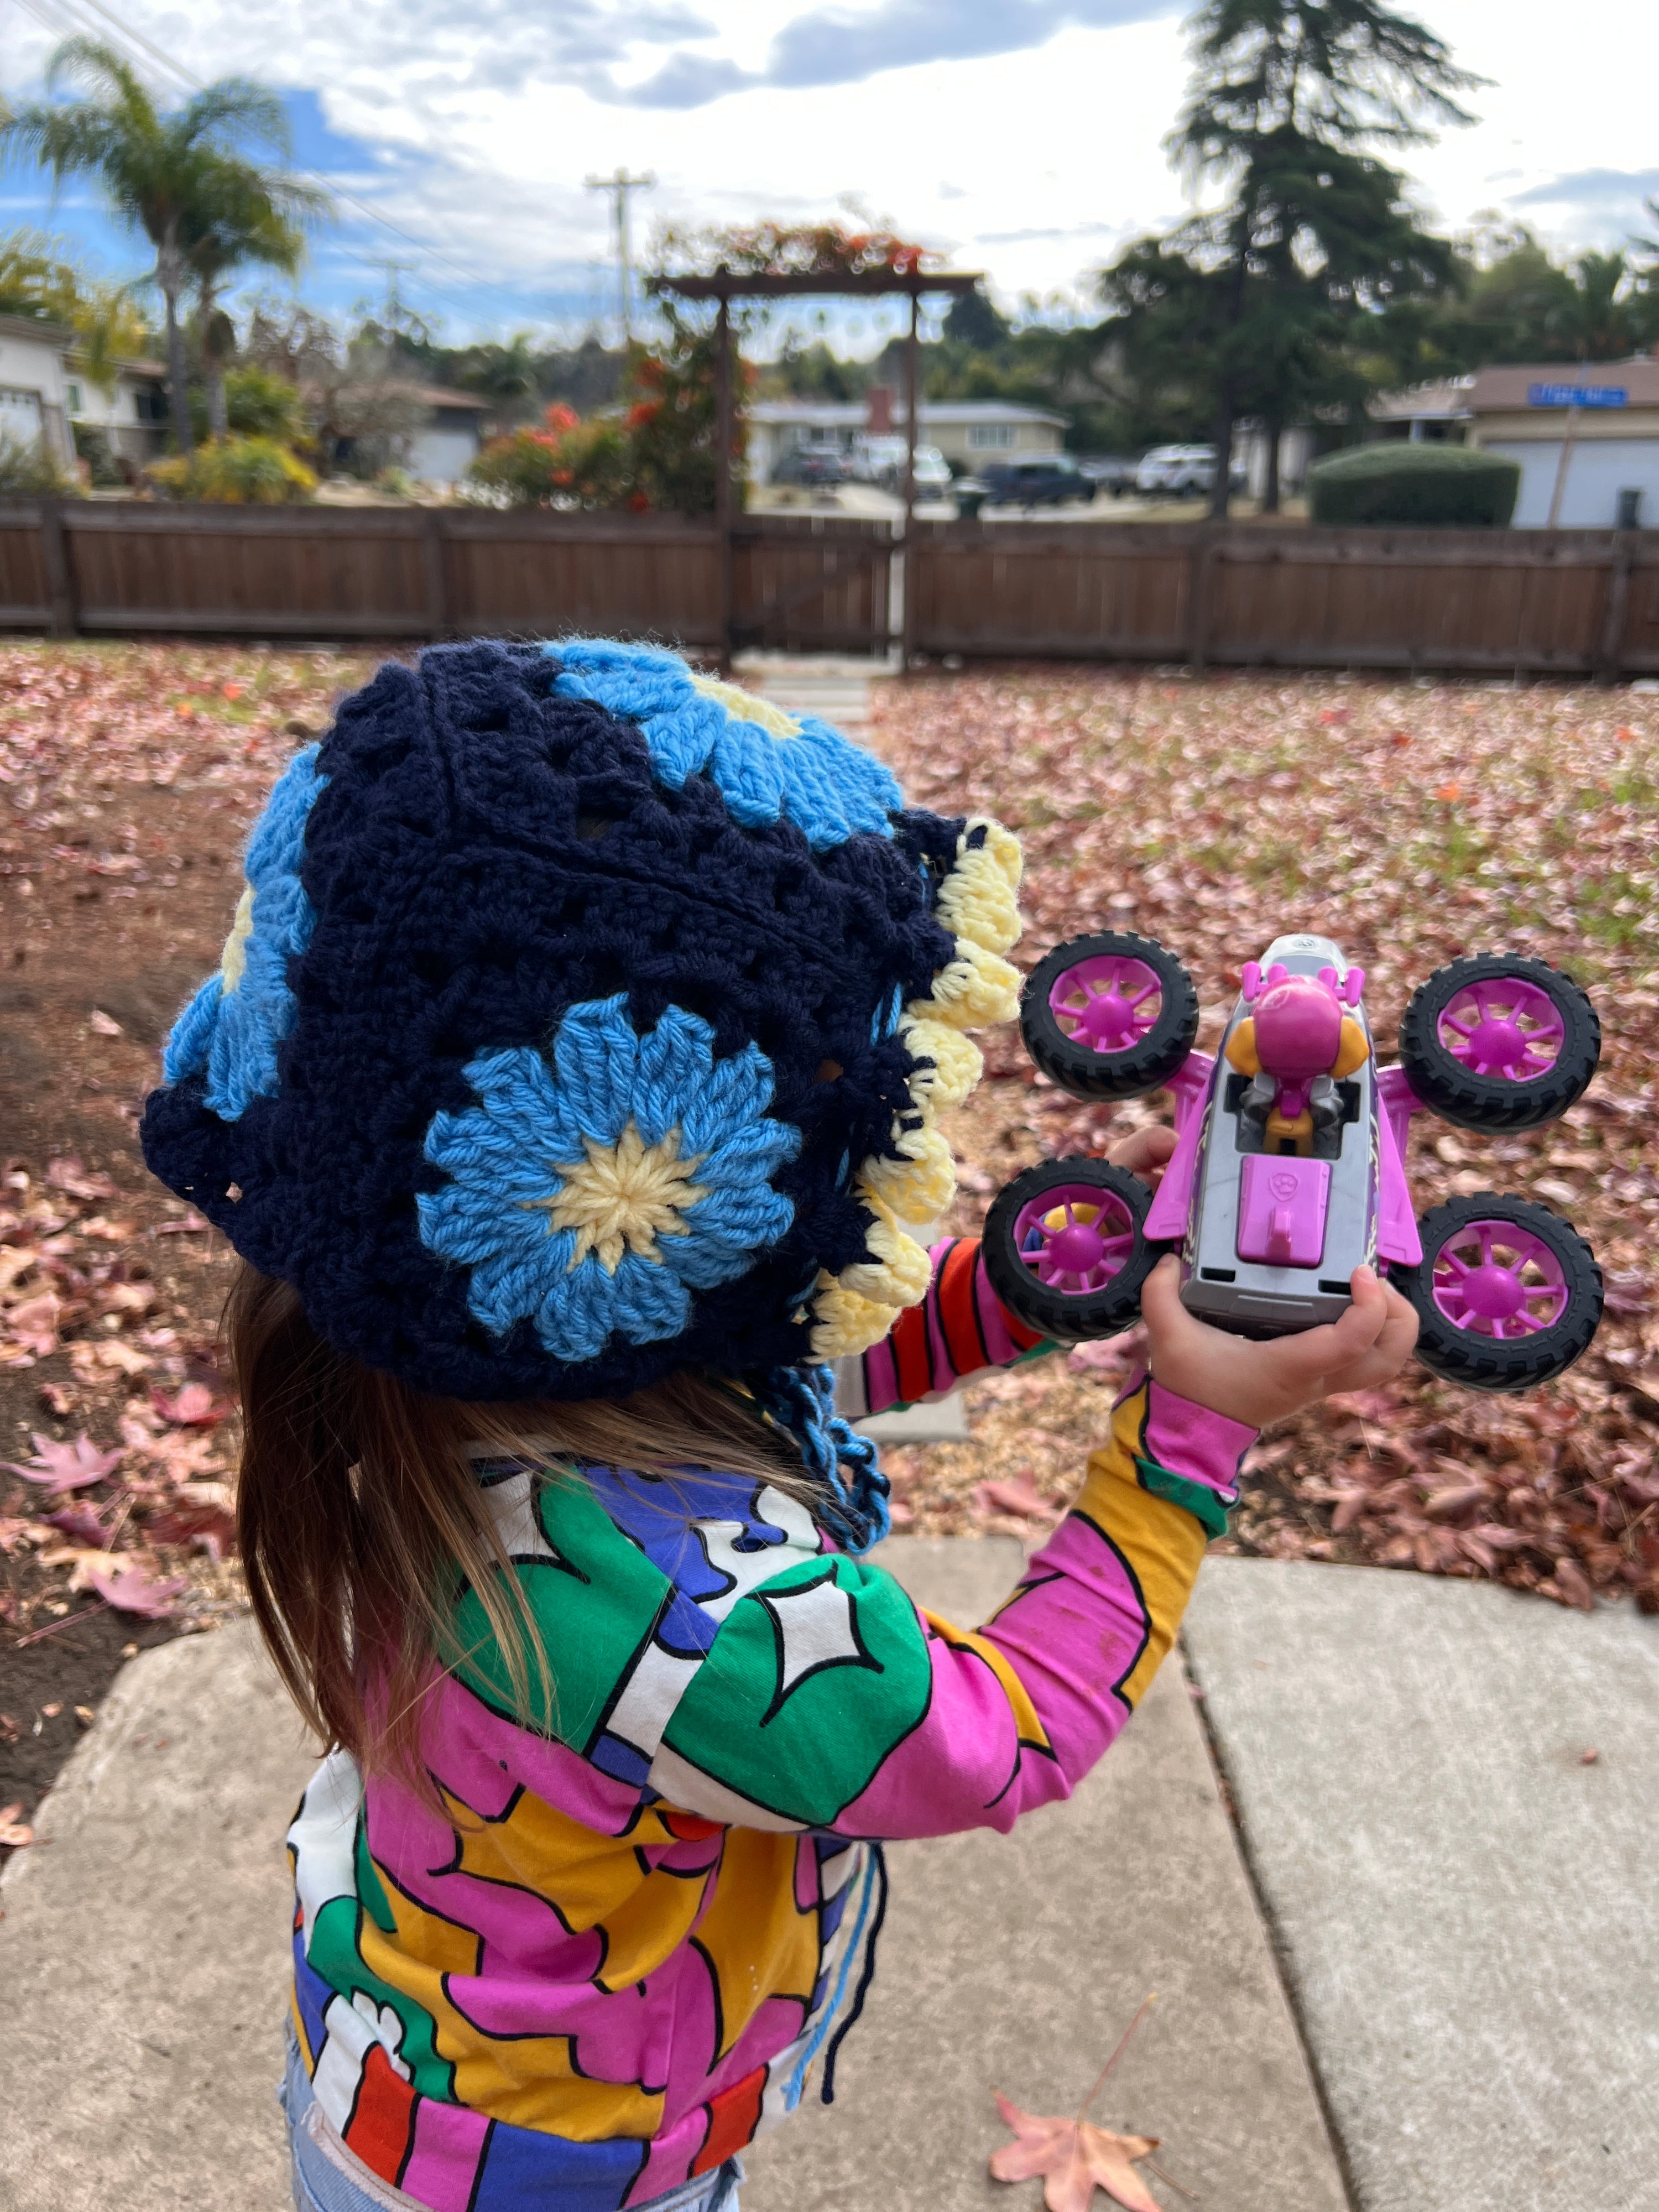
975,903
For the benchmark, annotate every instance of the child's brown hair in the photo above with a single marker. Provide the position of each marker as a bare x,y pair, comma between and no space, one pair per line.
360,1517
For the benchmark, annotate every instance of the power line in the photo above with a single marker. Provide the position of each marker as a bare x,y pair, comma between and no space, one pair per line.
44,12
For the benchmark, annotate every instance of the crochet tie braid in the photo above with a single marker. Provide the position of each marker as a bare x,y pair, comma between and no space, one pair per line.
802,1399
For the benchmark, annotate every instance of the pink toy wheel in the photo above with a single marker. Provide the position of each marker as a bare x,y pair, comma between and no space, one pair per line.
1507,1294
1499,1279
1498,1042
1064,1248
1075,1238
1503,1026
1109,1016
1108,1003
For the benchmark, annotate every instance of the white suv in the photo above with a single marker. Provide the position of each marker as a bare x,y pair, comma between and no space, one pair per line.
1177,469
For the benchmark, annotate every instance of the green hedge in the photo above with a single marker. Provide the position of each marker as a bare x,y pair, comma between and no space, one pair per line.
1449,485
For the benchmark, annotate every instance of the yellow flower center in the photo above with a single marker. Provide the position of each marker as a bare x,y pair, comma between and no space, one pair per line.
622,1197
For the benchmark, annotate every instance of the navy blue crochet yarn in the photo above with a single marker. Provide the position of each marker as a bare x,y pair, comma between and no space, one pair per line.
476,855
803,1400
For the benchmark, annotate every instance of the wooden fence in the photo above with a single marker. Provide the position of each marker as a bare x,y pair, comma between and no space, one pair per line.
124,567
1568,602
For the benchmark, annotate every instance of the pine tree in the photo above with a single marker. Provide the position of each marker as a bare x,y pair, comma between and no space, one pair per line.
1290,111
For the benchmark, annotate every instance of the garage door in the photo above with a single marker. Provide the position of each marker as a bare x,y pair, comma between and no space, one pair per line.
20,415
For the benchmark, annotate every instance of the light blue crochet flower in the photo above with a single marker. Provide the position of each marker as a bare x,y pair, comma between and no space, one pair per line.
598,1193
768,765
231,1028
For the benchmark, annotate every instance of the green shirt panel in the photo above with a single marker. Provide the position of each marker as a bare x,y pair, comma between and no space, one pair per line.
813,1678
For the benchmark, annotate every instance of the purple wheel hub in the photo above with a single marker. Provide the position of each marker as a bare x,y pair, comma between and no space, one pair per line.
1496,1280
1504,1029
1075,1237
1107,1004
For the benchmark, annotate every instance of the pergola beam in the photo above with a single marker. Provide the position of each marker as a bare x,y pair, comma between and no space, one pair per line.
724,286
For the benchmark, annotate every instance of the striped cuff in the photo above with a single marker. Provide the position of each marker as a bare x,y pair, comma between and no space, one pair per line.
960,1328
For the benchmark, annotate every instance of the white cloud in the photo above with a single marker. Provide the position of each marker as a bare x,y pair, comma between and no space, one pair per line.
1028,132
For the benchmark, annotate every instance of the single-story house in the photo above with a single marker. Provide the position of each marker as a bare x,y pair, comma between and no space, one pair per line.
130,413
446,444
1584,436
1427,414
969,433
438,434
33,399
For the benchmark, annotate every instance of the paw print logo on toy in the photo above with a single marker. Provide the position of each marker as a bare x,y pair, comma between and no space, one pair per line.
1289,1167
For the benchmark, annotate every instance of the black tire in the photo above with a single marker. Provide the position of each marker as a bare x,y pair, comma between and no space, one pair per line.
1067,1318
1494,1102
1072,1064
1485,1363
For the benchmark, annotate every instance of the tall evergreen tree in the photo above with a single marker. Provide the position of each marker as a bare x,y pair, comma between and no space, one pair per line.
1292,107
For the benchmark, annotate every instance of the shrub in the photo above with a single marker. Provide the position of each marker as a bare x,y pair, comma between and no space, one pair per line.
569,464
1433,485
258,404
236,472
26,466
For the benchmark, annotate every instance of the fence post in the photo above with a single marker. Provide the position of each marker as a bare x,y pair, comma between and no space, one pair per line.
60,571
1201,563
1616,619
433,571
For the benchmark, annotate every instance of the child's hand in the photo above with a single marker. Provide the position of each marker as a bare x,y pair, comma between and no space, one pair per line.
1257,1383
1146,1154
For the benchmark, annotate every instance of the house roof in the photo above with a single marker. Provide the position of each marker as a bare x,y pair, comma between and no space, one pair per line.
38,328
1425,403
1505,389
837,414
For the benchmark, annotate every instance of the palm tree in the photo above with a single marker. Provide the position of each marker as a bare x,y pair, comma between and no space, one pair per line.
247,214
161,170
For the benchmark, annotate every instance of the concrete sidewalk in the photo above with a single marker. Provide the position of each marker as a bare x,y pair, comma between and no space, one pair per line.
1468,1911
144,1954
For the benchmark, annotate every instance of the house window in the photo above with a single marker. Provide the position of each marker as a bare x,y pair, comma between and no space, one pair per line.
74,391
991,434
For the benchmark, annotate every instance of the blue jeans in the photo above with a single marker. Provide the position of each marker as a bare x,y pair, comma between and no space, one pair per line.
324,2181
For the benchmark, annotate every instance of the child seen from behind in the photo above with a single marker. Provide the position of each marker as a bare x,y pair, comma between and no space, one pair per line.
570,1088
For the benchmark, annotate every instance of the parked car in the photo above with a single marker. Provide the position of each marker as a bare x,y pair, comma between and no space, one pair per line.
1182,472
880,460
1112,473
812,465
1037,480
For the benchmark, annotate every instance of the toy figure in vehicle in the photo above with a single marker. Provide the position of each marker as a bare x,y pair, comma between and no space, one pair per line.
1288,1170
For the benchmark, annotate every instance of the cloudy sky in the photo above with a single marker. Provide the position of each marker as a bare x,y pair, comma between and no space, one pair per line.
1023,137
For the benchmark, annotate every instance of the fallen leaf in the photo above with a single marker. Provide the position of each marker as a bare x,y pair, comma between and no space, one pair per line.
194,1407
1075,2158
15,1833
1018,1497
67,1174
58,1467
122,1582
102,1024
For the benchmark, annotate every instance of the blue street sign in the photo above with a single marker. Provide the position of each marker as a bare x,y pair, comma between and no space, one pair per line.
1577,395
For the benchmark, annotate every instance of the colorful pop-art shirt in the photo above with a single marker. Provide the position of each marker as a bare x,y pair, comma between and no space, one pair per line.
636,1928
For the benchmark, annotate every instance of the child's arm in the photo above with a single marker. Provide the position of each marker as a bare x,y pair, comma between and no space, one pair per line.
827,1701
961,1326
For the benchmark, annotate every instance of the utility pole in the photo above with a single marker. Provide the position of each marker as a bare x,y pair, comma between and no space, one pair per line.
619,187
393,310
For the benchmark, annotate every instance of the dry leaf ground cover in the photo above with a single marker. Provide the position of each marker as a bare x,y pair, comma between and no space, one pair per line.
1412,823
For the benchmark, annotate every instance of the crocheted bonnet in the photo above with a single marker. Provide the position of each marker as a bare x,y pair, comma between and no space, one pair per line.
584,1018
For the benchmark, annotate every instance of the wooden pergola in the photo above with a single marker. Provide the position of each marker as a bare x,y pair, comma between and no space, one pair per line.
723,287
